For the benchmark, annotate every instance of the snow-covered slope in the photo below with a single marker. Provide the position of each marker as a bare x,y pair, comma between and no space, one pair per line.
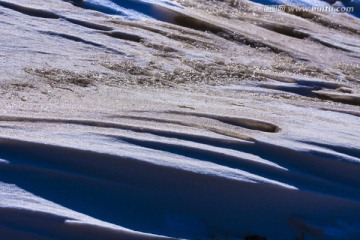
186,120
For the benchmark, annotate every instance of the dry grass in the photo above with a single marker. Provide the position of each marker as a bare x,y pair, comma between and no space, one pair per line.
191,72
352,71
60,78
223,8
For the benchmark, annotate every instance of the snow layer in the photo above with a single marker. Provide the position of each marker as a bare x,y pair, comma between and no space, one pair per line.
188,120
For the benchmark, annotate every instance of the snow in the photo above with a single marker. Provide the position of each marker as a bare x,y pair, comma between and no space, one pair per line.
199,125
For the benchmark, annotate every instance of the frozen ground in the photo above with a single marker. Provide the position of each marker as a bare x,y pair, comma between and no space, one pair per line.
187,119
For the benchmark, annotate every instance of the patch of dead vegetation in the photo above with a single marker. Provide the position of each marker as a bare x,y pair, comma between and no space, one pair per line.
223,8
352,71
191,72
188,72
290,67
15,90
22,86
61,78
